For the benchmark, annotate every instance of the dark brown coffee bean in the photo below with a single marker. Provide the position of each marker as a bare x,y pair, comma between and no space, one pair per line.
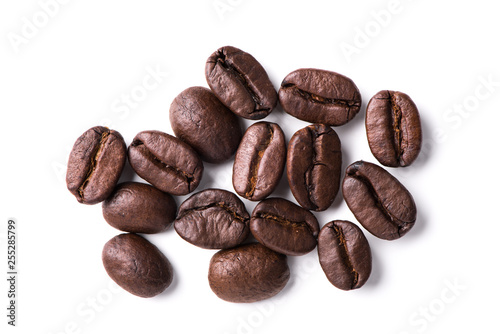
137,265
314,164
393,128
319,96
166,162
284,227
95,164
260,160
378,200
247,273
201,120
241,83
344,254
213,218
139,208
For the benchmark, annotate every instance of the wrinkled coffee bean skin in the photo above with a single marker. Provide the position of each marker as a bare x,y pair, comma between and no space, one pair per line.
259,162
198,118
139,208
213,219
393,128
241,83
314,164
247,273
166,162
284,227
319,96
378,200
95,164
344,254
137,265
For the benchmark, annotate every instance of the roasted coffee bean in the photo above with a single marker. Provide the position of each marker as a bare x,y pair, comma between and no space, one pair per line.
344,254
213,218
284,227
201,120
393,128
319,96
241,83
166,162
259,161
314,164
137,265
139,208
378,200
95,164
247,273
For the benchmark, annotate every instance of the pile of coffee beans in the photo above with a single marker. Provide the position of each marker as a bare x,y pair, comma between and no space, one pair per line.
206,126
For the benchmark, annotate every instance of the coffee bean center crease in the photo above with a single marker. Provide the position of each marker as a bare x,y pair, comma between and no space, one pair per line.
284,221
221,205
396,222
256,162
93,162
154,159
226,65
345,255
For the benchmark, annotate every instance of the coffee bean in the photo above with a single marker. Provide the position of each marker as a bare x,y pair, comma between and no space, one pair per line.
378,200
319,96
314,164
201,120
241,83
166,162
95,164
139,208
284,227
259,162
137,265
344,254
247,273
213,218
393,128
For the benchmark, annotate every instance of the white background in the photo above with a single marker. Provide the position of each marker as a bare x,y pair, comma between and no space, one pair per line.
71,69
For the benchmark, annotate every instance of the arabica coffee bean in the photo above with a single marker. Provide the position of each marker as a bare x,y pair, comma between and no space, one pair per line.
201,120
166,162
320,96
393,128
284,227
137,265
241,83
344,254
247,273
213,218
259,161
314,164
139,208
378,200
95,164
